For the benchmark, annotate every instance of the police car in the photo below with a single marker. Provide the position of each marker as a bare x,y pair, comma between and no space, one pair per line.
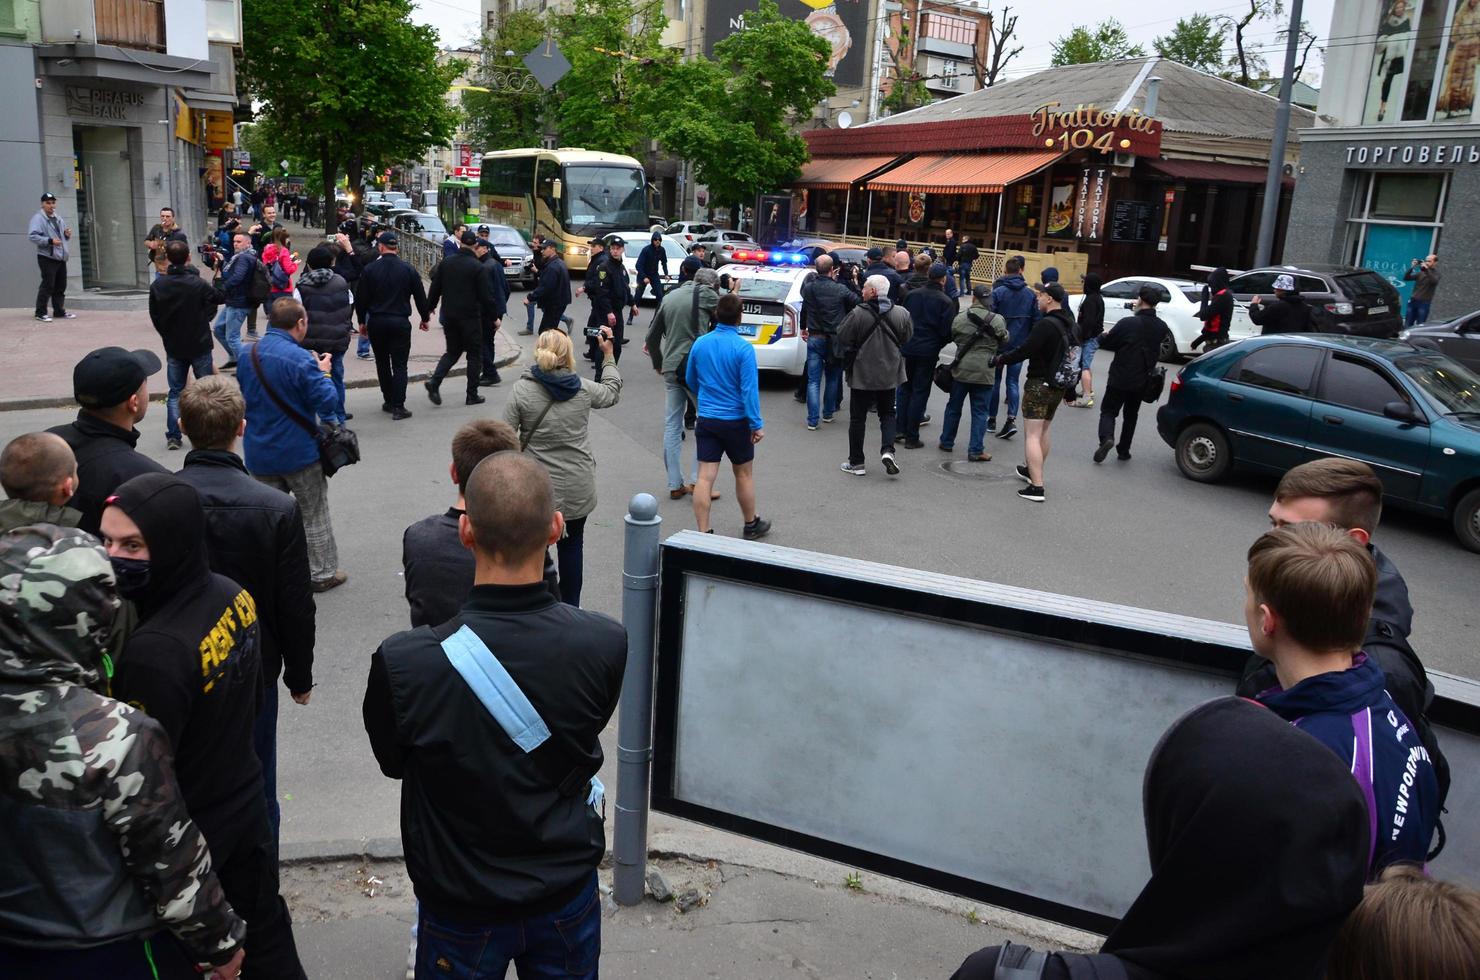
771,310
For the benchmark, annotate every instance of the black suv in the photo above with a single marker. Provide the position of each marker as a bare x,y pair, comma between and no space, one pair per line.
1345,299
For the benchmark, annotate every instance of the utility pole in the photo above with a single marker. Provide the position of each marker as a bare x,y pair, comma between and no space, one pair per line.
1269,216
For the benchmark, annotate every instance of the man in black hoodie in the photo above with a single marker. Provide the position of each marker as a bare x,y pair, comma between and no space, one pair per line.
1289,313
181,307
1216,311
194,666
112,386
1044,350
1136,341
255,537
493,722
461,285
1090,323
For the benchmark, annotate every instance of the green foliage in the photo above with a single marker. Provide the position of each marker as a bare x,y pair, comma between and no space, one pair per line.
1196,42
1108,41
501,120
610,45
907,89
853,881
760,81
265,143
347,84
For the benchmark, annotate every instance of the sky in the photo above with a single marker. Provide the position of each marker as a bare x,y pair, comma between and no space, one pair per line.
1039,24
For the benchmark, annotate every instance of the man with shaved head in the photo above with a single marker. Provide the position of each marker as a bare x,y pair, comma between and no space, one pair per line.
493,721
39,474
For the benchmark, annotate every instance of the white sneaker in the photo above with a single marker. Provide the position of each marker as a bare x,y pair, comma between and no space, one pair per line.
890,466
853,469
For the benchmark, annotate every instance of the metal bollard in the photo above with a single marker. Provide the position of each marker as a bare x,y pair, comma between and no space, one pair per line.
635,714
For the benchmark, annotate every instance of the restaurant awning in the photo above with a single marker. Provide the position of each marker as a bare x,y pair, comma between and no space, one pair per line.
840,173
1222,173
963,173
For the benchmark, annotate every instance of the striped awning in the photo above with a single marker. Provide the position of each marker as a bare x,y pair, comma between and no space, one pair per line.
840,173
963,173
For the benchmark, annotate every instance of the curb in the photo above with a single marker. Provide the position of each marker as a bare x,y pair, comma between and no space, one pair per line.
26,404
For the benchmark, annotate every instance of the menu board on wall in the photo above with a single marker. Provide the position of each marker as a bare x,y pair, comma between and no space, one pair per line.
1132,221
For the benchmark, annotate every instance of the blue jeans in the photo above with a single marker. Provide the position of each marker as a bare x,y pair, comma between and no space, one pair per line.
963,276
824,380
228,328
264,743
675,400
529,309
336,374
566,943
914,395
175,371
1010,373
362,347
1418,312
960,391
1087,352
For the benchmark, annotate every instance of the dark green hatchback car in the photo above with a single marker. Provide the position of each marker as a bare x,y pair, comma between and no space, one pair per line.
1270,403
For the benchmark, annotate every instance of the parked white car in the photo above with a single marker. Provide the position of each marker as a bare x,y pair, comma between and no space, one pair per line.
1180,301
771,314
636,242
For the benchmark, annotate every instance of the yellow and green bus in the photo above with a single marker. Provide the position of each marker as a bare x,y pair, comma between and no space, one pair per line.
570,196
457,202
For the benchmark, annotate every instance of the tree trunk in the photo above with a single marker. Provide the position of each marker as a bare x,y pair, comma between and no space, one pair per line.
354,176
328,168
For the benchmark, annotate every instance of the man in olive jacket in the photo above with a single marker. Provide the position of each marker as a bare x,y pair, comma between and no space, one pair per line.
684,314
979,333
870,338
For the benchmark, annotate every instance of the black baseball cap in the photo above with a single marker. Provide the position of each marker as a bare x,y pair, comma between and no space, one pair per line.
616,241
48,196
107,376
388,239
1053,289
468,238
982,291
597,243
550,244
875,254
691,265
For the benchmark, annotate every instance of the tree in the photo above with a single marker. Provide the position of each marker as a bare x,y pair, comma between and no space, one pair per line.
612,46
907,87
775,68
1004,29
1107,42
504,120
1196,42
1247,66
347,84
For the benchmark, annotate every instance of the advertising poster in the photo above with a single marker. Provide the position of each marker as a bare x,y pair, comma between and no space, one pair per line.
916,208
1457,94
1392,59
843,24
773,224
1061,211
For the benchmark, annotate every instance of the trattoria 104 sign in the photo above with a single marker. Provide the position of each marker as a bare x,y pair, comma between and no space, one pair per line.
1087,126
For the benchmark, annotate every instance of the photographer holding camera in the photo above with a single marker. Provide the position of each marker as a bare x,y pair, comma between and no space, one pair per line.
550,408
181,306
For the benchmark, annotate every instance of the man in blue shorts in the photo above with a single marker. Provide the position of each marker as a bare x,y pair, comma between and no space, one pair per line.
722,374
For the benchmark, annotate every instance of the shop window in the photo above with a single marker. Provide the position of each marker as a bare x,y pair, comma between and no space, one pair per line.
1406,197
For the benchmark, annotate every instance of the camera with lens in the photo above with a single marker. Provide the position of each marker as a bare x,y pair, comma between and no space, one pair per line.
593,333
724,281
209,253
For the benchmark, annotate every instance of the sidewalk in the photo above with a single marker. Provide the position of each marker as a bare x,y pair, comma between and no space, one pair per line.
38,357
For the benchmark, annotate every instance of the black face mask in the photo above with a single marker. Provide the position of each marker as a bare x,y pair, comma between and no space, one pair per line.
132,575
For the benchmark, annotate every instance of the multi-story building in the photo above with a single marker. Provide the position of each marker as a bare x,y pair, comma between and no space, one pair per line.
441,162
132,107
942,44
1391,170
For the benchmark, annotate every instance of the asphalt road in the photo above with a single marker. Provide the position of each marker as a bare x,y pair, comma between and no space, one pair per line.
1134,533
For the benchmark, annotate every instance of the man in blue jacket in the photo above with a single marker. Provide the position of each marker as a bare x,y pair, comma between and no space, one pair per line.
1310,589
278,449
649,261
1018,305
931,313
722,374
236,279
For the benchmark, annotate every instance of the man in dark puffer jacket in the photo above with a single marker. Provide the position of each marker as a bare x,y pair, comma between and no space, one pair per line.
331,313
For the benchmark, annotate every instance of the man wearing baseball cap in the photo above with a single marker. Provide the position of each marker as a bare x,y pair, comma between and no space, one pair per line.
1044,350
48,231
649,260
112,386
388,288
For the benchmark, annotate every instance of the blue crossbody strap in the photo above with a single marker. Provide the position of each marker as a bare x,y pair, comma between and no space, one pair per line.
498,691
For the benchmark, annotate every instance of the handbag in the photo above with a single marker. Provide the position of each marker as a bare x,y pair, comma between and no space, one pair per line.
524,442
1155,382
337,444
945,374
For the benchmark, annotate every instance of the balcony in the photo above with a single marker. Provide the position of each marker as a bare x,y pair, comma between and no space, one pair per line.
131,23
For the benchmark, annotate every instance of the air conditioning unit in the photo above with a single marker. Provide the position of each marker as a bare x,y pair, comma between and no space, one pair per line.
1122,159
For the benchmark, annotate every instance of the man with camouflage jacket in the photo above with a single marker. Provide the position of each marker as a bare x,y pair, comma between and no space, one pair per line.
104,854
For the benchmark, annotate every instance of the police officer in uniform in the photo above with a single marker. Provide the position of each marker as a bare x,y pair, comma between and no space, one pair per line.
609,291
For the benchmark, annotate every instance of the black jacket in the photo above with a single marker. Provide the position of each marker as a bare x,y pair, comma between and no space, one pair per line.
105,459
1091,316
194,662
932,313
181,307
949,251
553,290
489,833
1044,348
611,291
461,285
254,535
1136,341
348,264
1286,314
498,284
825,302
439,570
896,281
331,314
386,290
967,253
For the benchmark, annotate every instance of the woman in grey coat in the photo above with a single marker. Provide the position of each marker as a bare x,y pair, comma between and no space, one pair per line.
550,408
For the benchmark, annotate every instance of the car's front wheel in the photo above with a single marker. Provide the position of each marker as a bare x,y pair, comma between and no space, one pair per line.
1467,520
1203,453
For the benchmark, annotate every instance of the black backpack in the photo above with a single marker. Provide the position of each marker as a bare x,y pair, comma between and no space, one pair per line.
1016,962
260,287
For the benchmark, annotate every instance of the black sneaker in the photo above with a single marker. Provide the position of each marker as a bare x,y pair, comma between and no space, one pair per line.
489,382
925,420
387,407
1022,474
1032,493
913,444
991,425
1123,456
400,412
757,528
433,393
172,444
854,469
229,366
1009,429
1104,450
890,466
474,400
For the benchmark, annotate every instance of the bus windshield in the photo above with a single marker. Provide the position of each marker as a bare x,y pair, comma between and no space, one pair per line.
601,197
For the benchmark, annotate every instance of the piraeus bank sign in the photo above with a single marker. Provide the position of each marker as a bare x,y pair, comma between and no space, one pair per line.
1428,154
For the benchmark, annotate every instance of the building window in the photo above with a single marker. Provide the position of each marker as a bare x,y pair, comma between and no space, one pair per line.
1396,218
944,27
8,24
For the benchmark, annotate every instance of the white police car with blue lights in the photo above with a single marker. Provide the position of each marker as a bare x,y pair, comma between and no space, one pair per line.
771,310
